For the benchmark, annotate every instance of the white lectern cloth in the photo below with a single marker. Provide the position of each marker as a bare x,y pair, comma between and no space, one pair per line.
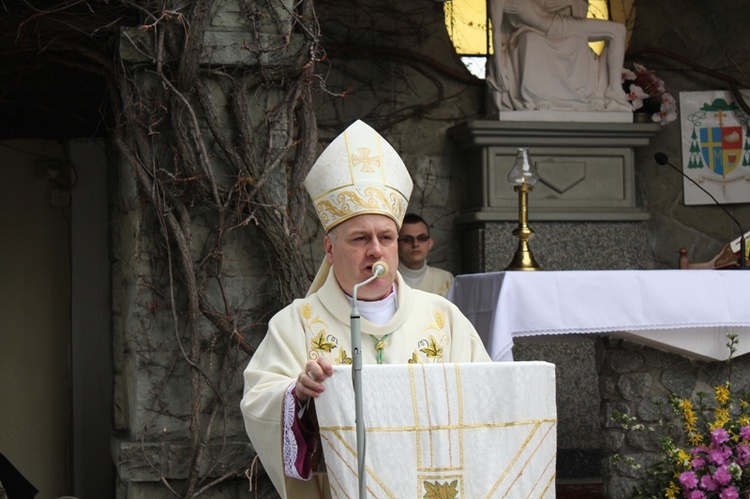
469,430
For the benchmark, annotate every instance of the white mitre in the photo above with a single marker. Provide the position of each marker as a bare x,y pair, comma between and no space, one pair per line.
359,173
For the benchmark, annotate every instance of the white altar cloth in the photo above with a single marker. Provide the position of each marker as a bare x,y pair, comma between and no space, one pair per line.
684,311
443,430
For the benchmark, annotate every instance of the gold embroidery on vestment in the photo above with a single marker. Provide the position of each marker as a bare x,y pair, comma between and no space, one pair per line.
321,341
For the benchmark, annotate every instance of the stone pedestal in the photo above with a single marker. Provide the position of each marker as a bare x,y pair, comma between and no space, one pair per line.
587,180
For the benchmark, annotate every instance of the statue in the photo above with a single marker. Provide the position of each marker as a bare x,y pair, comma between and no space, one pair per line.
542,60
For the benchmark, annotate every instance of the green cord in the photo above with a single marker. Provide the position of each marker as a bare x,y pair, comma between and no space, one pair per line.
380,346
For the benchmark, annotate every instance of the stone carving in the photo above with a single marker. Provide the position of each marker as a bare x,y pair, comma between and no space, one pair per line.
542,60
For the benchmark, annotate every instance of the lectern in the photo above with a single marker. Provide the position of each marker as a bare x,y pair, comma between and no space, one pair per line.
444,430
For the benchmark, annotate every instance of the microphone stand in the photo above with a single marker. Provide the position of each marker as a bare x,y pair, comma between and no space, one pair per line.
662,159
357,383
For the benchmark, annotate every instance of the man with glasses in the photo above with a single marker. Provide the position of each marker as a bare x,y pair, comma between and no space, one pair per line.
414,244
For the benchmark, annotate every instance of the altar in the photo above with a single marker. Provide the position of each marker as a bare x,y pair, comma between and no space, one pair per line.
689,312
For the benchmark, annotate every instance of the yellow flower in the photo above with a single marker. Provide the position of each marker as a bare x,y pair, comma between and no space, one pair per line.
682,458
721,417
743,420
685,405
695,439
688,415
672,491
722,393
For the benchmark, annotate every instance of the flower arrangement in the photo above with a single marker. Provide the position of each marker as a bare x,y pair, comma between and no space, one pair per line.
716,464
646,93
712,460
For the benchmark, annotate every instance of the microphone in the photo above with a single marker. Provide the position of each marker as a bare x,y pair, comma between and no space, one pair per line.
380,268
662,159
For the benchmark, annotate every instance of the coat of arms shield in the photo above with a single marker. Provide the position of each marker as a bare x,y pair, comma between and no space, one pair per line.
715,147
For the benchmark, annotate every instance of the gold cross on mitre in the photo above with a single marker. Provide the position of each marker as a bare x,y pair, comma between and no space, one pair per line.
365,160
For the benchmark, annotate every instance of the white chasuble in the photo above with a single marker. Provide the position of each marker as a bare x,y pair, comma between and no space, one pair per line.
467,430
426,328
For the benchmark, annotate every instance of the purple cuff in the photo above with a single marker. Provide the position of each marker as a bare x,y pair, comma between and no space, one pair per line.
299,438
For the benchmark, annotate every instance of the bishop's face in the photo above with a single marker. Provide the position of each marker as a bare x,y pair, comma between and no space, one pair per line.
355,245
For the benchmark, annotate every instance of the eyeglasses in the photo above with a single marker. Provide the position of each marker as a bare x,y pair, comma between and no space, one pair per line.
422,238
